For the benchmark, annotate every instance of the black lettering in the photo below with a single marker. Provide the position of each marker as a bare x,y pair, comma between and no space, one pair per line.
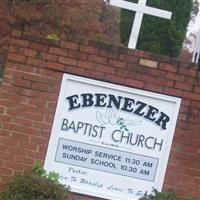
64,124
115,101
128,104
72,126
151,112
87,100
79,126
64,155
95,132
162,120
73,102
139,108
141,139
158,144
146,142
100,100
113,135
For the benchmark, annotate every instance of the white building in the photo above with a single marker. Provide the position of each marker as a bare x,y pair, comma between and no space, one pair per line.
196,53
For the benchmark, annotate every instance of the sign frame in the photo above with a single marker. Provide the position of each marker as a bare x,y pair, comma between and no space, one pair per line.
51,156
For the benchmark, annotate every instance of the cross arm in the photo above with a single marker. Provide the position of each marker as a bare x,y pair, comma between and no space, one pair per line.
141,8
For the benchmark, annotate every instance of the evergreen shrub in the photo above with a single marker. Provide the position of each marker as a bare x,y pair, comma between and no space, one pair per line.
169,195
35,184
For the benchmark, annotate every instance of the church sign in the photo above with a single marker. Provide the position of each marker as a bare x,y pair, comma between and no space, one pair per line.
111,141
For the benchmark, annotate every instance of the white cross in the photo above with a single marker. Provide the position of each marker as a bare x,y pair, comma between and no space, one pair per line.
140,8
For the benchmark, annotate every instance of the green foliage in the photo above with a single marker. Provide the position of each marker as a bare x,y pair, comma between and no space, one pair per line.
121,123
53,37
36,184
169,195
159,35
38,169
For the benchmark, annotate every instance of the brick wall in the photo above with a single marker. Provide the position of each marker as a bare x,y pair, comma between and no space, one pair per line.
31,84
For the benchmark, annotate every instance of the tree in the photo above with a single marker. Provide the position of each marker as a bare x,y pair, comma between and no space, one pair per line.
160,35
83,20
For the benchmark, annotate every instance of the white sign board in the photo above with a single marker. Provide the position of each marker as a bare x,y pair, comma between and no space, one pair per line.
111,141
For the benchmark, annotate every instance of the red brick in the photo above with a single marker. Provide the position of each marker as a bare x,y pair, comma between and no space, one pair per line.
138,68
184,86
108,54
22,83
36,62
20,136
41,86
20,42
38,46
187,71
23,122
37,155
58,51
69,45
197,89
10,142
42,126
13,165
76,70
28,52
24,68
27,120
49,57
120,72
67,61
48,96
172,91
77,55
33,77
16,33
88,49
168,67
87,65
175,76
193,172
55,66
16,57
138,53
134,83
28,92
191,95
158,73
11,89
114,79
14,49
104,68
182,116
118,64
128,58
45,111
38,140
97,59
95,74
163,82
153,87
195,104
184,109
187,163
23,159
6,171
146,78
